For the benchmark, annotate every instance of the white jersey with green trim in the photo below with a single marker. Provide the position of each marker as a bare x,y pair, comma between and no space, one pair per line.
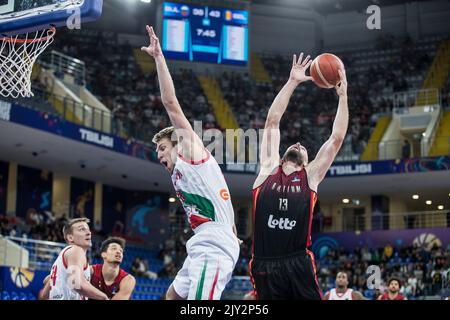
203,191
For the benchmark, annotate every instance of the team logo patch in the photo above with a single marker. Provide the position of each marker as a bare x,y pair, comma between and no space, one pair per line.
224,194
296,179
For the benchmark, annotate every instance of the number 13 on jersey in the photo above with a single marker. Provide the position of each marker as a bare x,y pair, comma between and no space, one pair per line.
283,204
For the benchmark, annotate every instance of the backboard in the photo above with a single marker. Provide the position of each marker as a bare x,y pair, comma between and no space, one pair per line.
22,16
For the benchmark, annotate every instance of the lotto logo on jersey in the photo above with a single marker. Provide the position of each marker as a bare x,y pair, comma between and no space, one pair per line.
282,223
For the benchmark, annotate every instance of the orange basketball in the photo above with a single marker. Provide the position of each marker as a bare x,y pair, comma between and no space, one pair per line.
324,70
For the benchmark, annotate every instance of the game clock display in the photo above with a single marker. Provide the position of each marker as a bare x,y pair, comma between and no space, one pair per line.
205,34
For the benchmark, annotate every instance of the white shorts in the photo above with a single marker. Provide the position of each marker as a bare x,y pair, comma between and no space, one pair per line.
212,255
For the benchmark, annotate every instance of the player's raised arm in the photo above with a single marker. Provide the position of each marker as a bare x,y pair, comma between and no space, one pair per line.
126,288
318,168
270,144
191,145
76,260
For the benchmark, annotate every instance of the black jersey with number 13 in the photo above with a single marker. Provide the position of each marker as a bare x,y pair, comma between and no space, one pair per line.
282,211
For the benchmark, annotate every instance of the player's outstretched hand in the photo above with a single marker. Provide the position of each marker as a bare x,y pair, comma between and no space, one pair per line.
154,49
299,67
341,87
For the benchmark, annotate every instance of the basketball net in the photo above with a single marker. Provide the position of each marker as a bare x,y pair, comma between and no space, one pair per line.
17,58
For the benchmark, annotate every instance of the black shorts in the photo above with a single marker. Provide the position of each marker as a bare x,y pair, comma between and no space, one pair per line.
288,278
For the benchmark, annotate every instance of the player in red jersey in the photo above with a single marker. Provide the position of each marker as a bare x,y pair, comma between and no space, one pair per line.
109,277
393,291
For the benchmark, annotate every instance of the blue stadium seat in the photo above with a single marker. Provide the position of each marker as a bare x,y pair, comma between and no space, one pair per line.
23,296
5,295
14,296
31,296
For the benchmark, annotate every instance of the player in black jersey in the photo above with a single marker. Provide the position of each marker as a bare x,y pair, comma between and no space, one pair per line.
284,196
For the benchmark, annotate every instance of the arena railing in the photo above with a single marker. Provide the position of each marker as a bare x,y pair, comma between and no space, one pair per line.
64,64
142,131
404,100
86,115
42,254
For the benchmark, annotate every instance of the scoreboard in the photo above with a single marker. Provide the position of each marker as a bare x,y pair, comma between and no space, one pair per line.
205,34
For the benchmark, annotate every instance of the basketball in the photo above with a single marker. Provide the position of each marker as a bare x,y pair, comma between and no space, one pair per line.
324,70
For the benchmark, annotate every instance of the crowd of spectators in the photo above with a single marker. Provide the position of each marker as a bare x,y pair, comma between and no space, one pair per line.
38,225
115,77
422,272
311,110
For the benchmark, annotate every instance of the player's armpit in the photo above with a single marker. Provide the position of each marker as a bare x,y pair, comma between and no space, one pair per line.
126,288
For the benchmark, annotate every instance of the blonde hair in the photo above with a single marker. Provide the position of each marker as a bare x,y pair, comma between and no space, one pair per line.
67,229
165,133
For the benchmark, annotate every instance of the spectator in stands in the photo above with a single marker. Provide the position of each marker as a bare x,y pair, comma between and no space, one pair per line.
437,280
168,271
139,268
412,285
406,149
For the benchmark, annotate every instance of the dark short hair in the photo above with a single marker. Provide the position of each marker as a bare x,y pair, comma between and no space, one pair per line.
67,229
107,242
395,279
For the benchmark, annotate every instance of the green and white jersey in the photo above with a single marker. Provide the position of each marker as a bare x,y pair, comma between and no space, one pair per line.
203,192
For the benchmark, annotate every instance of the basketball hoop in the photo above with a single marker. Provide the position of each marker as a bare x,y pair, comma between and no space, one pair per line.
17,57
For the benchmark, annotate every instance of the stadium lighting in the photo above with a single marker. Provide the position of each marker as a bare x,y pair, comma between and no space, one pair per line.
146,1
440,207
428,202
415,196
172,200
345,200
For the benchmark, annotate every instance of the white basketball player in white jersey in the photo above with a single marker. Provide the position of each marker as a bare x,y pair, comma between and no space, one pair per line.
342,291
200,186
70,275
